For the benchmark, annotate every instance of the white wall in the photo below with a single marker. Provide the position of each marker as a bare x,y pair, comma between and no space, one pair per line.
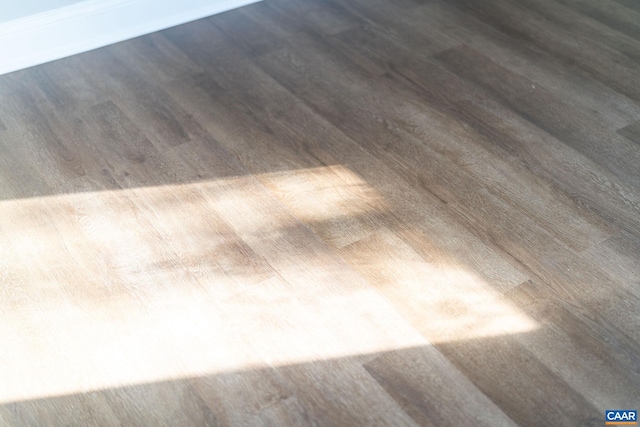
90,24
13,9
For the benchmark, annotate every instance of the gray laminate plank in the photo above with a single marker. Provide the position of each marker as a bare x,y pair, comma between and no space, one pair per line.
329,212
603,64
625,18
556,117
631,132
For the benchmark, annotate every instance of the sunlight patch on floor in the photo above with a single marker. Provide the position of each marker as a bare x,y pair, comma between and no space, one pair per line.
106,289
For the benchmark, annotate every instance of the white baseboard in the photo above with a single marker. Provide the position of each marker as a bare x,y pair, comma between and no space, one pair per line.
92,24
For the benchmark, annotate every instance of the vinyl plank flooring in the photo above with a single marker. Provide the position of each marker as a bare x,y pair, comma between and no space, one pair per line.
156,114
575,129
379,52
567,336
437,19
326,146
16,175
618,255
582,26
252,37
368,404
602,103
89,410
520,143
328,213
144,405
46,159
407,118
131,157
155,58
386,18
631,132
508,134
477,201
240,398
327,17
498,360
419,378
345,227
401,143
387,254
65,85
621,18
602,63
629,4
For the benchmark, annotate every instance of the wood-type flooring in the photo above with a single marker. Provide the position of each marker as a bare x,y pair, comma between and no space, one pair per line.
328,213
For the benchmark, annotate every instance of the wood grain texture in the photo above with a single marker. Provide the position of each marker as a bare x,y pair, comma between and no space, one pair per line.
328,213
631,132
523,96
600,62
622,18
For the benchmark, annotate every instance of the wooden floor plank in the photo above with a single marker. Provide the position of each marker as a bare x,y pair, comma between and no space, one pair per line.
564,335
321,212
618,257
435,176
631,132
629,4
442,26
565,79
326,145
576,130
623,19
406,118
532,30
419,378
514,137
582,26
493,361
